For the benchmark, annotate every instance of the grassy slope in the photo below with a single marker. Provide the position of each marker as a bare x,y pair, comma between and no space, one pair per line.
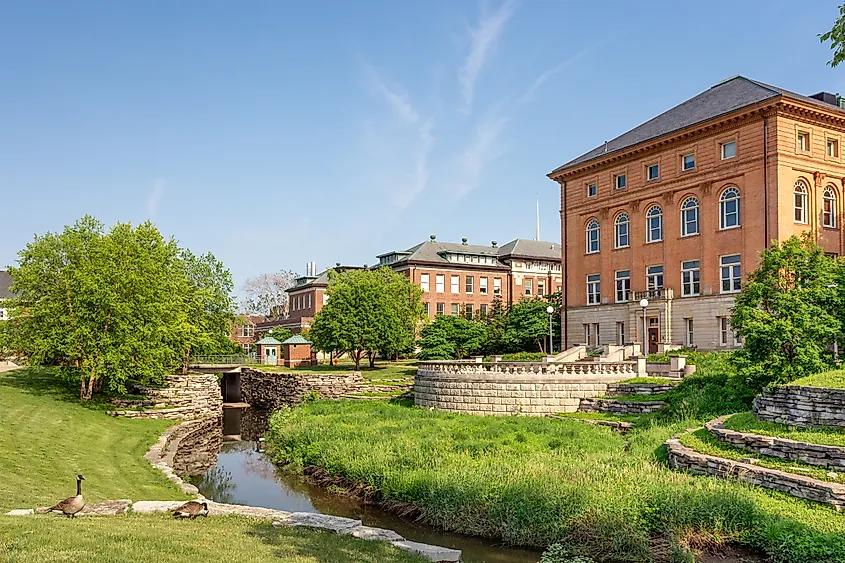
834,379
161,539
535,481
47,438
747,422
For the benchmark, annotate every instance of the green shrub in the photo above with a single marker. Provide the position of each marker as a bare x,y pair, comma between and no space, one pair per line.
523,357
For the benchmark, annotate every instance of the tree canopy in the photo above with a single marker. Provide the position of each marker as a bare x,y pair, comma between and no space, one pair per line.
368,312
836,36
109,306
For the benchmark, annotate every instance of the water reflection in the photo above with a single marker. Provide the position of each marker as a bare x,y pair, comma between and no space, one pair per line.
244,476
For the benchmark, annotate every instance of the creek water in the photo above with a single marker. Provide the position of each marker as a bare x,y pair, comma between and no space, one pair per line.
243,475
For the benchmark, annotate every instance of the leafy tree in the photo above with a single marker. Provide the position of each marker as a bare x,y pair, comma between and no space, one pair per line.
496,325
528,325
368,312
787,313
452,337
836,36
109,306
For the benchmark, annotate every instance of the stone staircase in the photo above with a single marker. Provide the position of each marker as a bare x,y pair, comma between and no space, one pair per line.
610,404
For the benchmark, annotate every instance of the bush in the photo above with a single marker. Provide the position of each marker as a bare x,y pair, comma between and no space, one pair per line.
524,357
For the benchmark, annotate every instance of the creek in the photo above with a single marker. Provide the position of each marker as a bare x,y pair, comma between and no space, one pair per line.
241,474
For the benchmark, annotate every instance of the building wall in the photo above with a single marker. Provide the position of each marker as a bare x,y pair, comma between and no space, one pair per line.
432,297
305,304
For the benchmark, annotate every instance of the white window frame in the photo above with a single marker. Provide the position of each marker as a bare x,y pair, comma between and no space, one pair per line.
593,230
427,308
497,286
723,149
623,177
425,280
455,284
440,309
541,287
654,213
622,280
689,330
688,278
593,289
802,141
529,286
729,195
620,333
648,169
456,309
482,285
730,271
800,198
469,285
482,310
685,222
440,283
829,208
468,312
684,166
653,278
622,220
592,189
831,142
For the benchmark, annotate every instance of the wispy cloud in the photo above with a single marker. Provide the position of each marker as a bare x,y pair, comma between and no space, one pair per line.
414,164
482,150
155,196
543,78
482,39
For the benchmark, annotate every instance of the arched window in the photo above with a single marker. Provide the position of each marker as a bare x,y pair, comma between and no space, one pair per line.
621,225
829,209
654,224
689,217
593,235
729,209
800,193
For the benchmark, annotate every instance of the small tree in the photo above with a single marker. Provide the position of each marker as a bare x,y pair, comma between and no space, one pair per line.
836,36
528,325
452,337
787,313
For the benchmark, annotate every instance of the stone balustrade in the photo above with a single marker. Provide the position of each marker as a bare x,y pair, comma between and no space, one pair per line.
808,407
573,370
784,448
801,486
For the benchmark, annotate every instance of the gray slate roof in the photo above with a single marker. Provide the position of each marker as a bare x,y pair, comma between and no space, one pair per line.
723,98
5,284
526,248
432,251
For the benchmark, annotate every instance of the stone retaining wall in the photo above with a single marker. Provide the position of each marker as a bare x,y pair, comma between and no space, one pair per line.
269,390
682,457
612,406
809,407
623,389
196,447
812,454
183,397
502,394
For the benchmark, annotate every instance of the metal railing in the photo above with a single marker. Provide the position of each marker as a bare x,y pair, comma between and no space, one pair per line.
241,359
657,293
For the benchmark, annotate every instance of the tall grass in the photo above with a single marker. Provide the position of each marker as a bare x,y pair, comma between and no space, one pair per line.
534,481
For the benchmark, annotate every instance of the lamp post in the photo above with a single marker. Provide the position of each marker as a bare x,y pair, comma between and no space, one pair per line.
644,304
550,310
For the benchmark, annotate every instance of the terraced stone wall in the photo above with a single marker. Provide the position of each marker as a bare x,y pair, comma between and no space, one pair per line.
268,390
612,406
191,396
802,406
622,389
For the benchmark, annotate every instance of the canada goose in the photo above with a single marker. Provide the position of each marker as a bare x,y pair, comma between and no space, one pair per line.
72,505
191,509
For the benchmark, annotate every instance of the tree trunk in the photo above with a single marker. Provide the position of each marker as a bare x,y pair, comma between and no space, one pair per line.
356,356
372,358
98,385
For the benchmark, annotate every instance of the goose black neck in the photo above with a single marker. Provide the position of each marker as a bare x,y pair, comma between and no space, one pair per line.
79,487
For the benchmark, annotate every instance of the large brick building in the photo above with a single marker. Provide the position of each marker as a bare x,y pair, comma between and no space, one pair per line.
678,210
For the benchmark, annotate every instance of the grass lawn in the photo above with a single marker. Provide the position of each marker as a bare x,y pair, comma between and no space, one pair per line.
600,416
701,441
649,380
834,379
638,398
162,539
747,422
536,481
402,369
48,437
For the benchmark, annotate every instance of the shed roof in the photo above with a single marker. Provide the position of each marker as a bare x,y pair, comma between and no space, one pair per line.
268,340
296,339
5,284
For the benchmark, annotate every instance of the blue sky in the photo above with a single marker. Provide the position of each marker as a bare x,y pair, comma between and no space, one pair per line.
277,133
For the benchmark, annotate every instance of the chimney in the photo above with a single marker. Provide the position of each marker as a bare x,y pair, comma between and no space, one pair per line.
308,269
827,98
495,244
464,241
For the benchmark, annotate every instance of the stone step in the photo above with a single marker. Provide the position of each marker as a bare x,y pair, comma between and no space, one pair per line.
615,406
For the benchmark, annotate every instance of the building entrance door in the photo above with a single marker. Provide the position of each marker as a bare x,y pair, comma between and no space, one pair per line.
653,334
270,358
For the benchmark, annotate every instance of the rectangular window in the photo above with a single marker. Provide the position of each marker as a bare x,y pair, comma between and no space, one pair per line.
529,286
690,333
653,172
596,336
441,309
728,150
688,161
731,273
309,301
833,148
497,286
325,298
593,289
690,278
456,282
424,282
620,334
620,181
246,347
724,331
541,287
803,141
470,282
468,311
456,309
440,283
623,286
482,285
588,336
425,309
482,309
654,279
592,189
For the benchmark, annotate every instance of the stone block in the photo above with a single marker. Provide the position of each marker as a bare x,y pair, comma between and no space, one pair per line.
431,552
